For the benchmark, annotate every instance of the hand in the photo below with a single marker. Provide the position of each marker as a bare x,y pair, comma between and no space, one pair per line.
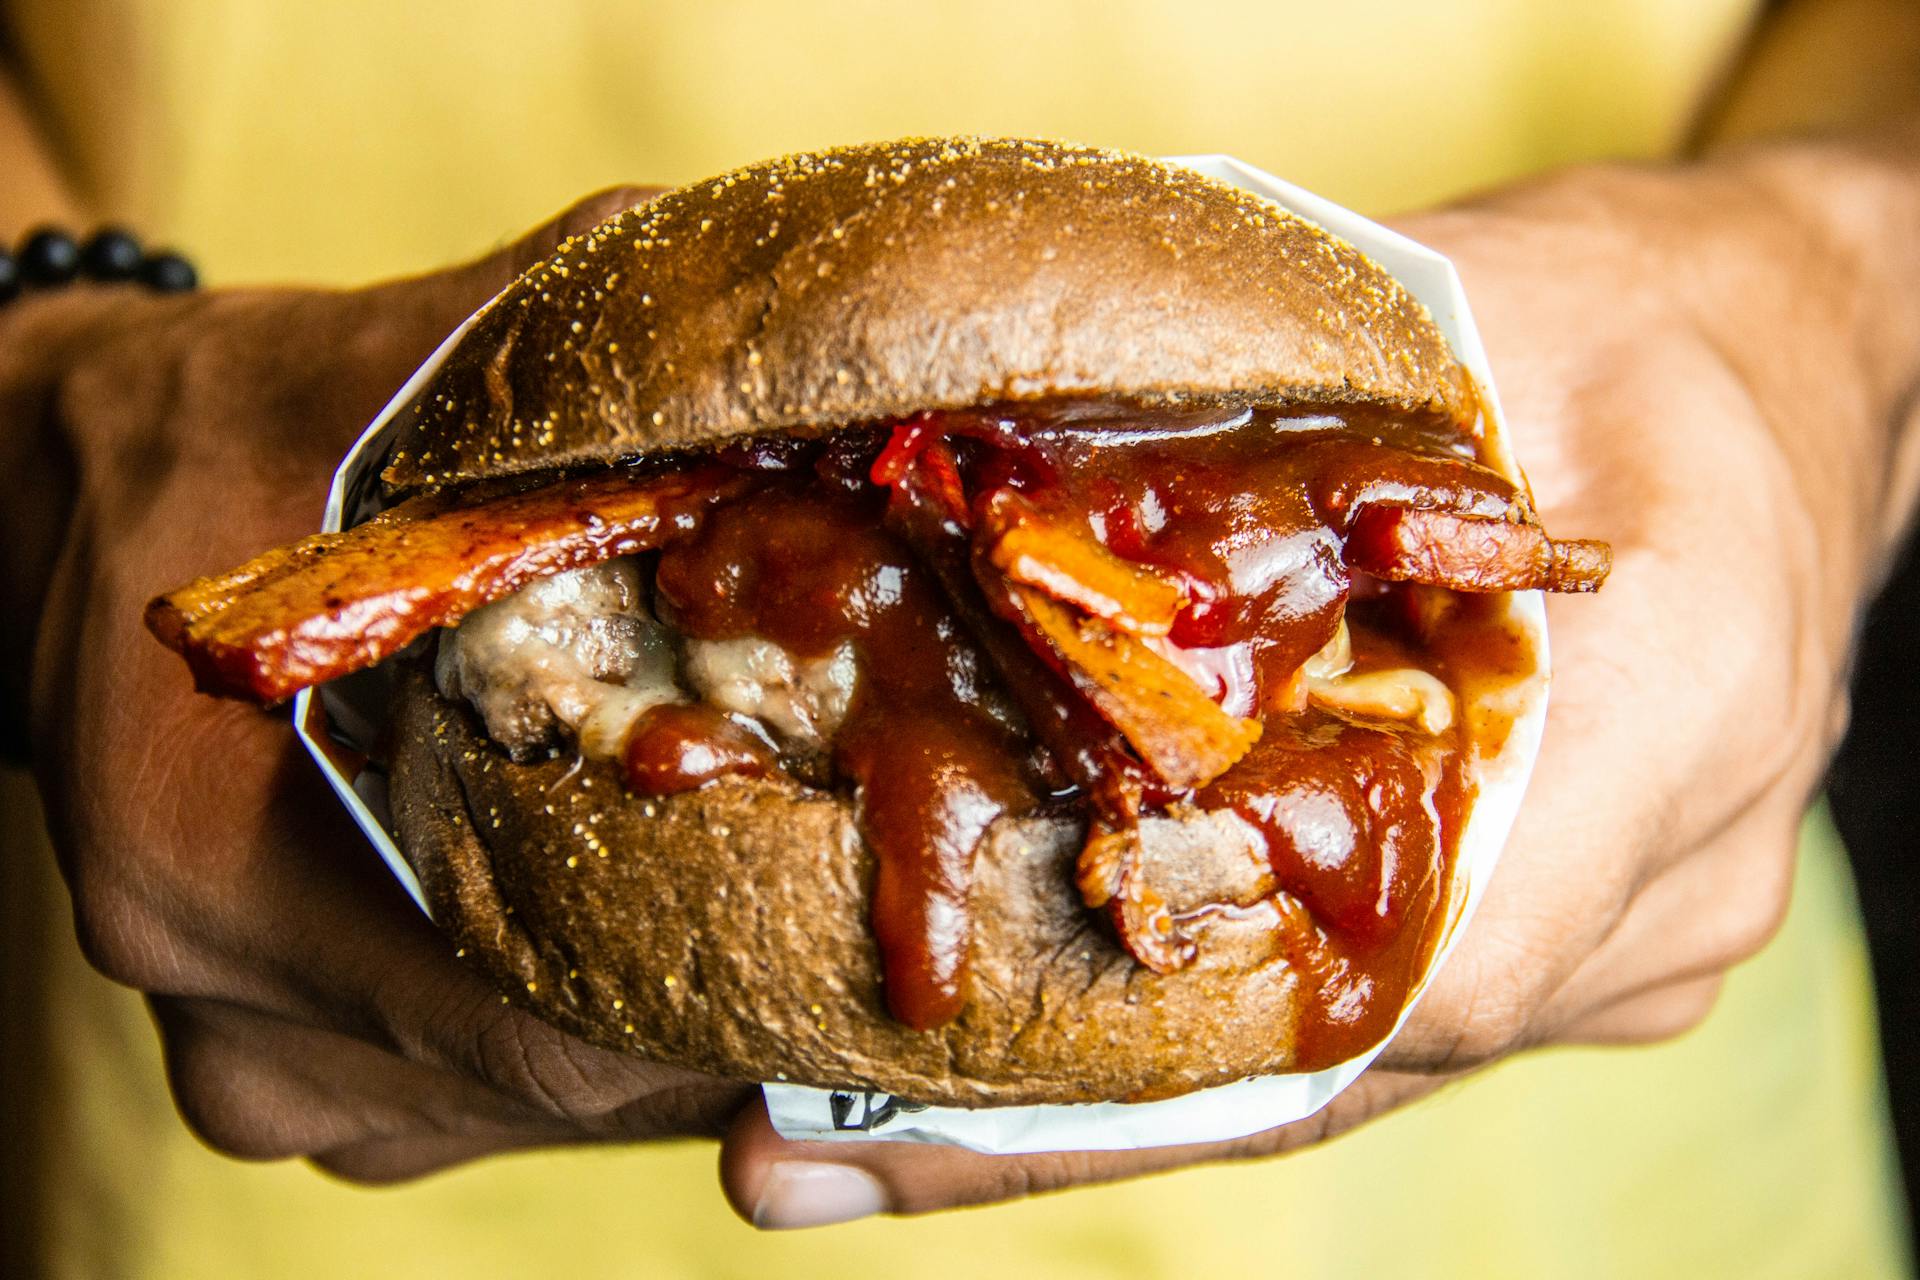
1695,699
306,1007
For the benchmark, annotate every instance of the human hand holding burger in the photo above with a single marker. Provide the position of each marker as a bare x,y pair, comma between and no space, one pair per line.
296,988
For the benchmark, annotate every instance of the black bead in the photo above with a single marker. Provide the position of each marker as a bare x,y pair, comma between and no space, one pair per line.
168,273
9,277
49,257
112,254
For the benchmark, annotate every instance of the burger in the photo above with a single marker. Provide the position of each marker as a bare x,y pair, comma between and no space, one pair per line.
988,621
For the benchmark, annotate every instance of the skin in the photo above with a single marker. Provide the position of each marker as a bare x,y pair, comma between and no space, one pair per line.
1708,365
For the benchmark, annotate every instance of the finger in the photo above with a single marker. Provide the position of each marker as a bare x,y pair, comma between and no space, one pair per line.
394,980
1645,1017
1698,916
1707,912
259,1087
1583,854
598,1092
293,916
777,1184
1696,921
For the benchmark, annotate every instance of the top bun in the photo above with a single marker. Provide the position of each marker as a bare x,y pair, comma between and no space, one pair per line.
872,282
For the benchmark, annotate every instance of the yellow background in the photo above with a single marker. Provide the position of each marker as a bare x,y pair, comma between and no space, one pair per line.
356,138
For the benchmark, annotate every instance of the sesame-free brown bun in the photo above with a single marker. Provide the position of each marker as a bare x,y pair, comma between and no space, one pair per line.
727,929
876,281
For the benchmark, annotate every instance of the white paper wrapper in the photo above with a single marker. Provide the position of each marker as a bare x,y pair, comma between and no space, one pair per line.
331,720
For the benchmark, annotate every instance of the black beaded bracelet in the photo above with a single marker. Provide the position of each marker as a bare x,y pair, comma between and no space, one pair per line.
48,258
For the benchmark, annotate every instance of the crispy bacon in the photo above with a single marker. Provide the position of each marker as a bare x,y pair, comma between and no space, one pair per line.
1037,549
1180,732
1086,748
1470,553
1350,475
926,513
336,603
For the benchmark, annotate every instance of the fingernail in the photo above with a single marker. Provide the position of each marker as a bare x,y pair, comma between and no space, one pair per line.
803,1193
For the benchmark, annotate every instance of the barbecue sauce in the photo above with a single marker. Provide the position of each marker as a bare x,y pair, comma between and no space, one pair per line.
1247,513
682,746
811,570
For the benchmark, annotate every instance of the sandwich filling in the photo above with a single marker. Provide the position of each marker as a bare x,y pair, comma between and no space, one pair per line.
1273,620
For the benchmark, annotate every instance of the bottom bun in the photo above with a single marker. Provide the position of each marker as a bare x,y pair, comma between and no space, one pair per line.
726,930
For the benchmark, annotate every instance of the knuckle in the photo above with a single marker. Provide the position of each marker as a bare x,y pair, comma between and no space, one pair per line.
1055,1171
1668,1015
542,1066
96,388
1700,1006
206,362
1494,1019
222,348
1687,1010
1018,1178
387,1162
120,938
364,1166
218,1093
1839,721
1760,908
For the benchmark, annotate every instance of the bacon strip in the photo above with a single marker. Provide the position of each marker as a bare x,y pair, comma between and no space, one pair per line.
927,518
1351,475
1180,732
340,602
1468,553
1036,549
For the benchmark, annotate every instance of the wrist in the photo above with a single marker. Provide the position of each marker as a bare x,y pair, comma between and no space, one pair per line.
1815,298
40,340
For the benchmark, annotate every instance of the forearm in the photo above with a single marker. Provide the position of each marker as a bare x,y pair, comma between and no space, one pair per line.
1821,315
1834,68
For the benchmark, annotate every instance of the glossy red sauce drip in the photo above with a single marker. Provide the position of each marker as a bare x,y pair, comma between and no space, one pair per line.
811,570
682,746
1343,812
1340,808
